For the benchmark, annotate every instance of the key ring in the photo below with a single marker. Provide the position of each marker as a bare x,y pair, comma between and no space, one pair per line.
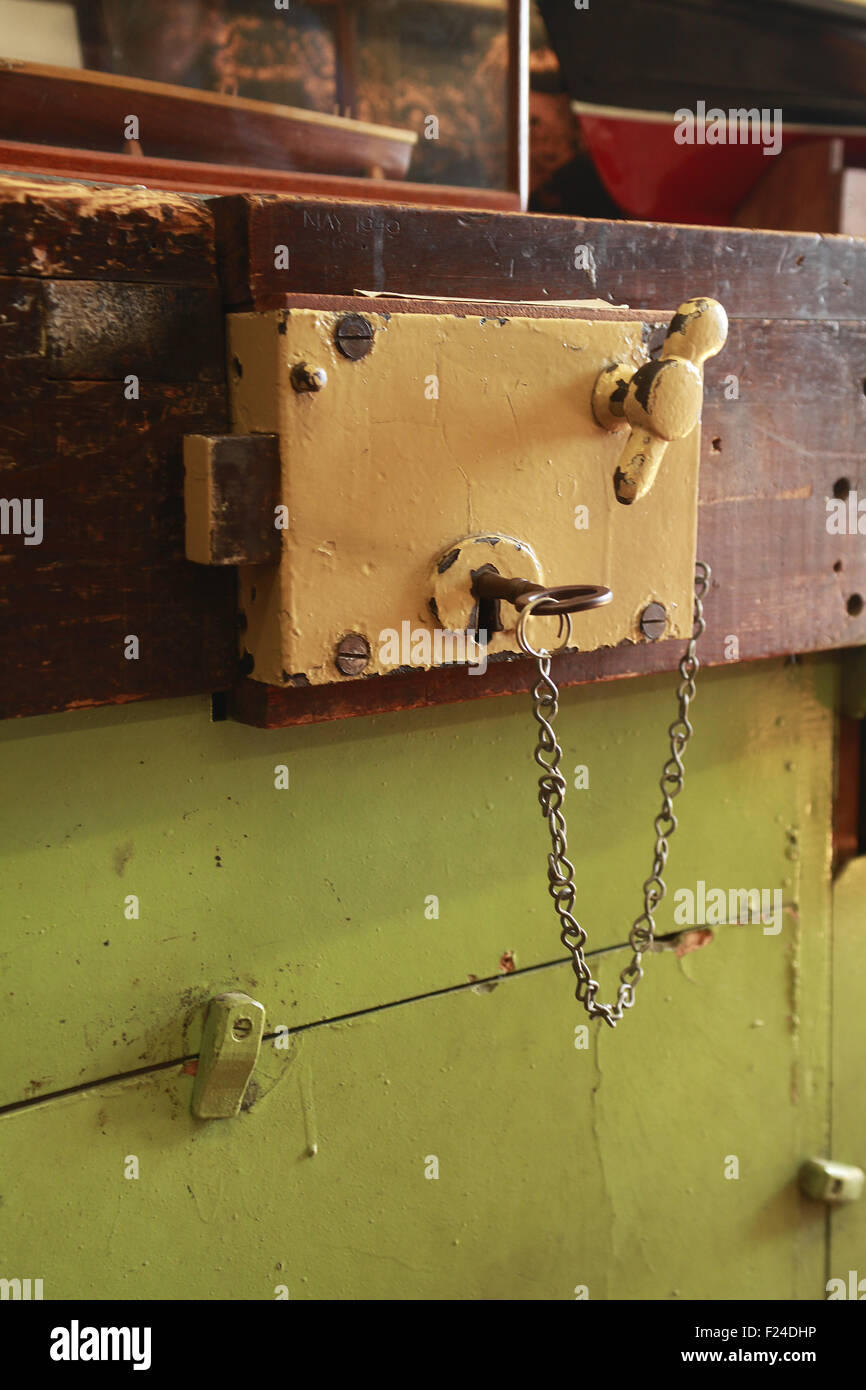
561,603
526,611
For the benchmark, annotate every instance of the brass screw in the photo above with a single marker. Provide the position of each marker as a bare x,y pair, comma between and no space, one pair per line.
653,621
353,336
353,654
305,377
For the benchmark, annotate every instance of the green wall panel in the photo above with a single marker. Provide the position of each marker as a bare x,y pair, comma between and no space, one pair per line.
314,898
559,1167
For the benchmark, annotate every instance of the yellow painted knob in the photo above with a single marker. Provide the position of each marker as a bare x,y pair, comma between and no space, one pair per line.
663,399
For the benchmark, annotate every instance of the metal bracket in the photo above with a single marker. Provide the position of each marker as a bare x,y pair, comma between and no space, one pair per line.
230,1047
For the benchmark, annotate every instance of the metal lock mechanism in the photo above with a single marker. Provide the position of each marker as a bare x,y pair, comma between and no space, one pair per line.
397,481
837,1184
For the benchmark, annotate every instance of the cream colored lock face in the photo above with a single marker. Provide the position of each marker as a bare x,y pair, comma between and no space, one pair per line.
450,427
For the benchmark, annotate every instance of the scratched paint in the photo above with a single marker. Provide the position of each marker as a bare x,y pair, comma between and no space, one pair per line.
558,1167
435,802
314,899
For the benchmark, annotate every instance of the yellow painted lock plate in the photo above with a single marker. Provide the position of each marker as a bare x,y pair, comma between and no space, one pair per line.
449,427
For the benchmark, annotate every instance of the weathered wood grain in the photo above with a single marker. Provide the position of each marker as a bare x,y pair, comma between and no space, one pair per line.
111,562
91,330
339,247
783,425
56,231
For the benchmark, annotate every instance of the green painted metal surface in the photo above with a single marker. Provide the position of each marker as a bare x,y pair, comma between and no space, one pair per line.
848,1131
559,1166
313,898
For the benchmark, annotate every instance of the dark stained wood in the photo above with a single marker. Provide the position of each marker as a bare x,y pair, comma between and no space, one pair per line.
339,247
69,231
194,177
238,497
74,106
109,470
112,562
83,329
801,190
782,429
809,188
848,796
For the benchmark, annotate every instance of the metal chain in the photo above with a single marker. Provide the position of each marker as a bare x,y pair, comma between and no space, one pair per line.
551,795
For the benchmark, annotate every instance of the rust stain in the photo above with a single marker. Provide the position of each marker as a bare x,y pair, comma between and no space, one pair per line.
692,940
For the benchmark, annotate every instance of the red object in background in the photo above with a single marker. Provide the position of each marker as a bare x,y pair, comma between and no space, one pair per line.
653,178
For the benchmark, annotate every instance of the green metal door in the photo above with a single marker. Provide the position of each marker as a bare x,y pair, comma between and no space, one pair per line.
437,1123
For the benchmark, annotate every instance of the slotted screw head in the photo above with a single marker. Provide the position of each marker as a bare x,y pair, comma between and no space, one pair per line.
353,654
653,621
353,336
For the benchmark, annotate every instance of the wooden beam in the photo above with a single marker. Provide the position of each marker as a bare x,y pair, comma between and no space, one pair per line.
782,431
341,247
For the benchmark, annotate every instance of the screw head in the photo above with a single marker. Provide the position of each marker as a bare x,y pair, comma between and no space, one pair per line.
353,654
353,336
653,621
242,1027
306,377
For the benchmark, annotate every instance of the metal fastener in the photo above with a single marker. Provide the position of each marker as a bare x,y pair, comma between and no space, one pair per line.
353,654
231,1039
305,377
353,336
827,1181
653,621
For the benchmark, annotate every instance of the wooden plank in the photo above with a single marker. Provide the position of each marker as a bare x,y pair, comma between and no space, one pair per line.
339,247
111,562
183,175
92,108
70,231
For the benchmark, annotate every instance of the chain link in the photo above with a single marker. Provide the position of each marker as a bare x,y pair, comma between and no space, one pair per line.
551,795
